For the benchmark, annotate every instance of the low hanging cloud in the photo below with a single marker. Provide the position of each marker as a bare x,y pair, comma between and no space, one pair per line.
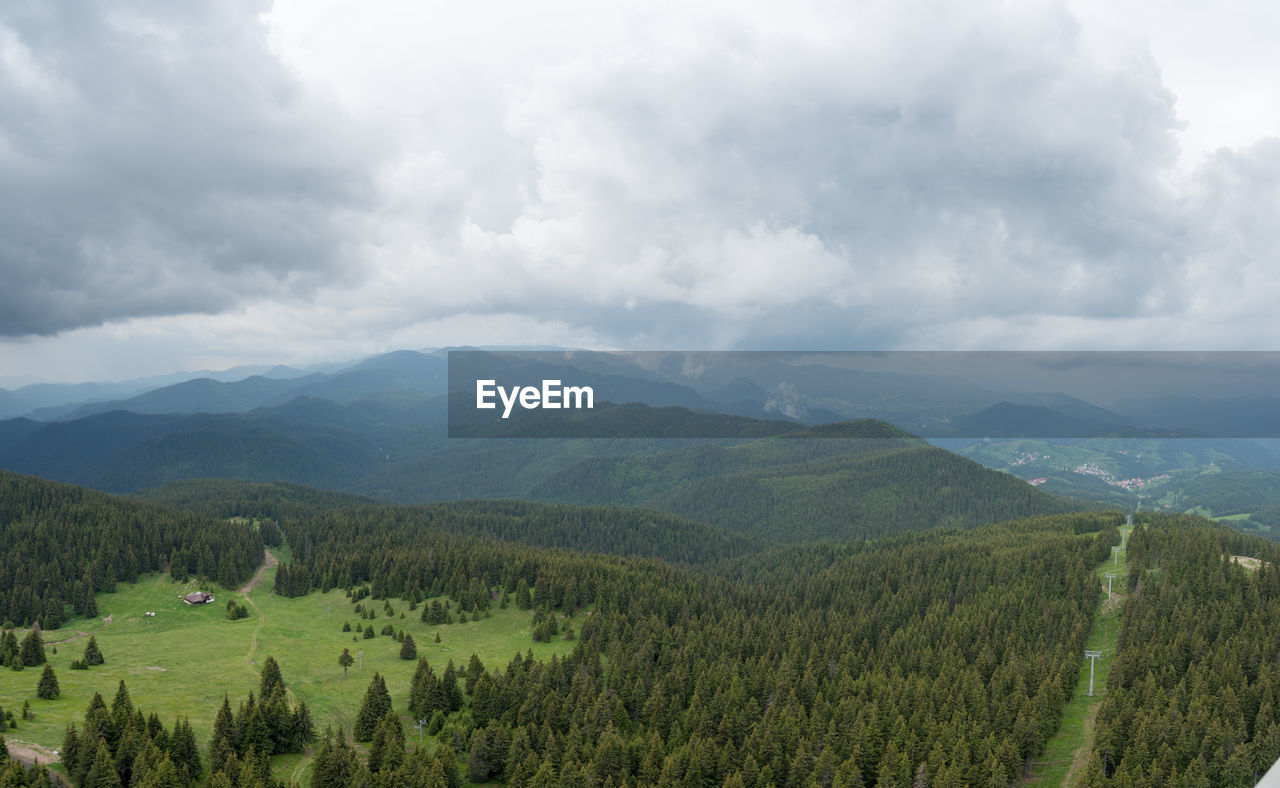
157,161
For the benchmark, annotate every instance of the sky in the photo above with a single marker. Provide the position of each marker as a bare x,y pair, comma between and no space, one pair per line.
207,184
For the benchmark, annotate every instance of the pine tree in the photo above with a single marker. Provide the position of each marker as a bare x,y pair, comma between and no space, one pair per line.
183,750
102,770
92,655
480,758
345,660
302,729
270,678
71,749
163,775
420,689
610,759
121,707
256,769
8,646
408,650
452,693
449,762
48,688
229,775
387,750
223,742
31,652
377,702
335,765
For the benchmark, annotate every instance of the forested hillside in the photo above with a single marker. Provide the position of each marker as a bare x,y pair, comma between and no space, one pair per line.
690,654
1194,693
596,529
793,489
944,654
60,544
811,483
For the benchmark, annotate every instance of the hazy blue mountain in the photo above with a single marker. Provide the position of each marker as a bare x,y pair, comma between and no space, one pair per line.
202,395
47,401
1074,406
1010,420
70,451
1230,416
14,430
11,405
399,371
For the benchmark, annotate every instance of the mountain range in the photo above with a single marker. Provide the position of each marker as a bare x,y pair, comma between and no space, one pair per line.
380,426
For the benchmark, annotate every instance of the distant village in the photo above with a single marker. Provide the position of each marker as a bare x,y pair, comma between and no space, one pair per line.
1089,469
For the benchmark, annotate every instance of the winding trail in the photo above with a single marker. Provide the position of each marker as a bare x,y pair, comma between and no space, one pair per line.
268,562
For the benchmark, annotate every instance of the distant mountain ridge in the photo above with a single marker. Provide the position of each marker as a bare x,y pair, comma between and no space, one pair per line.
802,483
377,427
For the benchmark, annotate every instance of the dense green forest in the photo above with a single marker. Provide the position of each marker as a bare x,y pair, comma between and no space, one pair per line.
602,529
61,544
1195,689
694,655
1234,492
805,487
948,654
880,492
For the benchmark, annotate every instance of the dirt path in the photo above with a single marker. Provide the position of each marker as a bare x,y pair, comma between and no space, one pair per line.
270,561
1080,758
253,641
73,634
29,753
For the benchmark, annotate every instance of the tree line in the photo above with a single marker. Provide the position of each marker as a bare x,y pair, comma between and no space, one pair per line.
60,545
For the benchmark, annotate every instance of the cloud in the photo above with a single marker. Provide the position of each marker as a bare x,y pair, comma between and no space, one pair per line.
158,160
710,175
715,173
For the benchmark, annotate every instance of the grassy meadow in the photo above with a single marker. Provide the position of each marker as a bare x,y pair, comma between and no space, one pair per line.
184,659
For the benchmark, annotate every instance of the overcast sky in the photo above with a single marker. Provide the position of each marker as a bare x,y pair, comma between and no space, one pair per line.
203,184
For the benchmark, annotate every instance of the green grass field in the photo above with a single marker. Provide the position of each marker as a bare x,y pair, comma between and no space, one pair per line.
1071,745
182,661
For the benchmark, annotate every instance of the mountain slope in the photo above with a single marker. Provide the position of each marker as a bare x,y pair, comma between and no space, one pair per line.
796,489
802,485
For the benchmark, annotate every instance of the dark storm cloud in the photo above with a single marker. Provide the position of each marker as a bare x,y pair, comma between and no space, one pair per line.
158,160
